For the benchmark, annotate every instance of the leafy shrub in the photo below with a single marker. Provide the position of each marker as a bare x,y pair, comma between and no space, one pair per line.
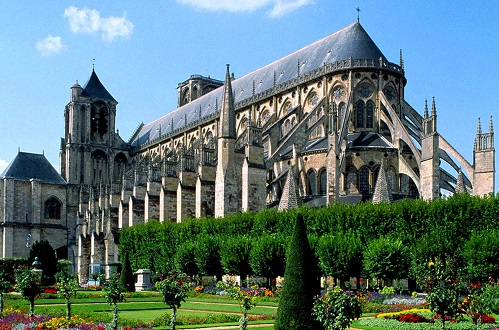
387,290
336,309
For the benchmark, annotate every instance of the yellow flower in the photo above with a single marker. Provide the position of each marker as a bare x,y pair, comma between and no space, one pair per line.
431,264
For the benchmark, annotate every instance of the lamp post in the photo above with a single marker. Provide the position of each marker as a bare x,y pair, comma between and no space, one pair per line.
36,268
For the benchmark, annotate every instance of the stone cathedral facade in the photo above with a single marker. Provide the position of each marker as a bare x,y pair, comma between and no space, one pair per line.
327,123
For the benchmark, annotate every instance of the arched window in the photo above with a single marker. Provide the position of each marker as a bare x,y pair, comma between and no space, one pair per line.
52,209
209,141
99,120
342,112
392,179
370,114
311,182
286,128
119,166
323,182
360,114
351,181
364,180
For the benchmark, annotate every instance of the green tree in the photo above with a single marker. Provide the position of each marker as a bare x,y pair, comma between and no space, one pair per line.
300,285
481,253
185,261
67,286
207,255
267,255
127,279
386,258
4,287
340,255
336,310
174,291
440,279
113,294
234,256
245,299
46,255
27,284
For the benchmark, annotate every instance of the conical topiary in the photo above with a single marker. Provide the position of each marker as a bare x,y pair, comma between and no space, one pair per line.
300,285
127,279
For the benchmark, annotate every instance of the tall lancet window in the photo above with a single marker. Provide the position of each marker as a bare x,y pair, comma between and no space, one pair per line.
370,114
360,114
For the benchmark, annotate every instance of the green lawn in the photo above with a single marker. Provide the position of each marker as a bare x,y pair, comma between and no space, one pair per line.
147,308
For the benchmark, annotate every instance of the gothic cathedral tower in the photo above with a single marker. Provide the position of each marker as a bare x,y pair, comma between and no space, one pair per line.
484,161
430,160
89,134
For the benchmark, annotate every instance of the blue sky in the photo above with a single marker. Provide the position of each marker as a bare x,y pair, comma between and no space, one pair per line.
142,50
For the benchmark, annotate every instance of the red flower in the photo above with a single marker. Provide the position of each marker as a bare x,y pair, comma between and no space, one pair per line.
179,282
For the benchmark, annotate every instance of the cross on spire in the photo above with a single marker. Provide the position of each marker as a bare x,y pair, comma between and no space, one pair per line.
358,14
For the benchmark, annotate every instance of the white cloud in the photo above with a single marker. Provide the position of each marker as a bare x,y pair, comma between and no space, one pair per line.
87,20
279,7
114,27
283,7
3,165
50,46
82,20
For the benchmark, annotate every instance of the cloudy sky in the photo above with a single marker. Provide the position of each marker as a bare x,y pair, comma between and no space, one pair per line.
142,50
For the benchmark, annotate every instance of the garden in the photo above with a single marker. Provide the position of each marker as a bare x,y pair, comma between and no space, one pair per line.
447,252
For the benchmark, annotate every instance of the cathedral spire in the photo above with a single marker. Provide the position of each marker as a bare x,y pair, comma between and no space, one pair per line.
479,128
433,107
491,127
227,117
426,108
401,60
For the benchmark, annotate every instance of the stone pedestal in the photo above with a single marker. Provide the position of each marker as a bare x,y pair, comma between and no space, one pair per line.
143,280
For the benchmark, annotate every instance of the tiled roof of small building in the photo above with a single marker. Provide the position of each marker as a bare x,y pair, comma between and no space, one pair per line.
351,41
94,89
27,166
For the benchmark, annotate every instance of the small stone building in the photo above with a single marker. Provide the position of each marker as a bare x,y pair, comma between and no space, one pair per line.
33,207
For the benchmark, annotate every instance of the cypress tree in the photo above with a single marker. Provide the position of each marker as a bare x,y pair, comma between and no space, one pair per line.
127,280
300,284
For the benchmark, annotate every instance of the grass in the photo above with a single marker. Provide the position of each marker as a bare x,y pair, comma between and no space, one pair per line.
146,308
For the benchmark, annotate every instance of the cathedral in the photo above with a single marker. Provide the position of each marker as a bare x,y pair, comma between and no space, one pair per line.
325,124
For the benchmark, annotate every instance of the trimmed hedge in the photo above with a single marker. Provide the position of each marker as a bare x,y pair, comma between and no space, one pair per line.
451,221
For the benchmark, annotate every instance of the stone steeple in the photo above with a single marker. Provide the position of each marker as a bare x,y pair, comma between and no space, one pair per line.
381,189
227,190
289,197
227,115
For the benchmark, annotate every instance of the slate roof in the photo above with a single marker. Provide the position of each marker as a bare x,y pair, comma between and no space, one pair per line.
94,89
319,144
27,166
367,140
351,41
